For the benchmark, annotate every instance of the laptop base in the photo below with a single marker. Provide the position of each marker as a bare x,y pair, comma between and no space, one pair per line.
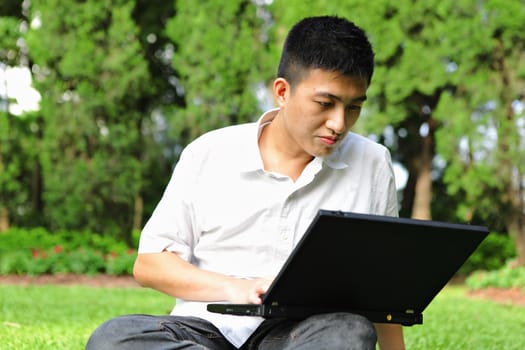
300,312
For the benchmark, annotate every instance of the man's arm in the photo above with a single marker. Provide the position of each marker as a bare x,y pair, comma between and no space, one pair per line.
390,336
170,274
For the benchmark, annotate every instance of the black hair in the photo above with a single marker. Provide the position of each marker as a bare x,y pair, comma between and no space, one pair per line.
327,42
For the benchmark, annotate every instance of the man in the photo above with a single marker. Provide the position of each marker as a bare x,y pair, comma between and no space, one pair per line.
241,197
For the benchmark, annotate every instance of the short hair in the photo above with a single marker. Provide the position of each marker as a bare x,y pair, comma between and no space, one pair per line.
326,42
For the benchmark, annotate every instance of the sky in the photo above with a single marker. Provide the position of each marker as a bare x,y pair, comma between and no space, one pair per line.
16,85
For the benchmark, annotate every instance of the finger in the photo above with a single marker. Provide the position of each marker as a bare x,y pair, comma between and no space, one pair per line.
255,299
261,289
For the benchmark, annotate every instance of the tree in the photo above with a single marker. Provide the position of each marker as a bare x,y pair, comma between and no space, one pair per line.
8,35
483,127
220,58
448,74
158,149
91,73
20,178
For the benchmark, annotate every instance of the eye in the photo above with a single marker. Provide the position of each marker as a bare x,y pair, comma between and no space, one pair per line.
325,104
354,108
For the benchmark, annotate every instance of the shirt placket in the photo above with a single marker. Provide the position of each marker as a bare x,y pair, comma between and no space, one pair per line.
287,223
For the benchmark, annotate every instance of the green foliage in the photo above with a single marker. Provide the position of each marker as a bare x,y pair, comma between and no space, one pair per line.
59,261
479,137
92,82
17,140
53,261
492,254
19,167
40,238
455,68
507,277
126,84
99,143
37,251
8,35
220,52
120,264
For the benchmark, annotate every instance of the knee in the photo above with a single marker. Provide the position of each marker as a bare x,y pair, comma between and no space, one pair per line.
363,328
109,334
349,331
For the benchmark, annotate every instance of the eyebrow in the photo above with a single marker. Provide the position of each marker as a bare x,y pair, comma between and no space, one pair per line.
338,98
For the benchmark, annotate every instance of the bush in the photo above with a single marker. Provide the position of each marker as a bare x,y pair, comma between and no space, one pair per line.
16,262
492,254
36,252
120,264
507,277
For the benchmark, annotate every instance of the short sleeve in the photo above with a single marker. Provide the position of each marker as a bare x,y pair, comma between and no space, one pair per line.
385,179
172,224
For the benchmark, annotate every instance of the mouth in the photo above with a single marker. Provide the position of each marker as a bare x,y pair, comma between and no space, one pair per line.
328,140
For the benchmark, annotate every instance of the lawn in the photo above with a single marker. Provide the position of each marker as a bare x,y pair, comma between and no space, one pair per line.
454,321
60,317
63,317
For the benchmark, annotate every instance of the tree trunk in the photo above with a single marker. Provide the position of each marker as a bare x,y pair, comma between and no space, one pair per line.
423,196
517,230
423,189
511,172
4,219
137,213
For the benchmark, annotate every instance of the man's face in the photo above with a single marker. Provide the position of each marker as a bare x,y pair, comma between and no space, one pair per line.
320,110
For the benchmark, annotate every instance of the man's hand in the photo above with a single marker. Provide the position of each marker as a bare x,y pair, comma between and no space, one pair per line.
247,291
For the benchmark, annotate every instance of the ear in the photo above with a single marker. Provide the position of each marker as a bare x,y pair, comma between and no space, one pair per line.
281,91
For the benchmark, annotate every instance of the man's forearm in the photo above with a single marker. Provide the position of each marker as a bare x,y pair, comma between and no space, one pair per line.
390,336
170,274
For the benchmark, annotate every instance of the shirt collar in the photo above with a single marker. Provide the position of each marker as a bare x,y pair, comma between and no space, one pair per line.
252,161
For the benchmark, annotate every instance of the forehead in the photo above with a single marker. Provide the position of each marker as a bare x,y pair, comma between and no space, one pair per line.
319,82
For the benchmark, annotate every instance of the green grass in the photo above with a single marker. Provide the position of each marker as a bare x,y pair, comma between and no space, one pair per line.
59,317
454,321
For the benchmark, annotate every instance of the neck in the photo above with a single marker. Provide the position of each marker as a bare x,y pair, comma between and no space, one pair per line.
278,155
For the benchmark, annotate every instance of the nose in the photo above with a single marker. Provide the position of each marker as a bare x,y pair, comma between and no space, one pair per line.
336,121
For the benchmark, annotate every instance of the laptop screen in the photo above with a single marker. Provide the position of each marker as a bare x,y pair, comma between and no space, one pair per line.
370,262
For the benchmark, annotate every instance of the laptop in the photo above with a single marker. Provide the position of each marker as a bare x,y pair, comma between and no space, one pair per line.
384,268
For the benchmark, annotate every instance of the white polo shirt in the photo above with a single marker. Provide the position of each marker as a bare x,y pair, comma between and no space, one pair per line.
224,213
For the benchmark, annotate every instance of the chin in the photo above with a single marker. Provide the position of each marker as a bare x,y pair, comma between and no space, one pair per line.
322,153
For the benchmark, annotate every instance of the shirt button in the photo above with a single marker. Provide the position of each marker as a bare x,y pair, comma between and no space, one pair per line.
284,235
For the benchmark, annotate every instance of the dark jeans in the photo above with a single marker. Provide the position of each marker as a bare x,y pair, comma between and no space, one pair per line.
144,332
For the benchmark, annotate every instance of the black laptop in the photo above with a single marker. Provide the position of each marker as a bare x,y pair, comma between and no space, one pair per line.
386,269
